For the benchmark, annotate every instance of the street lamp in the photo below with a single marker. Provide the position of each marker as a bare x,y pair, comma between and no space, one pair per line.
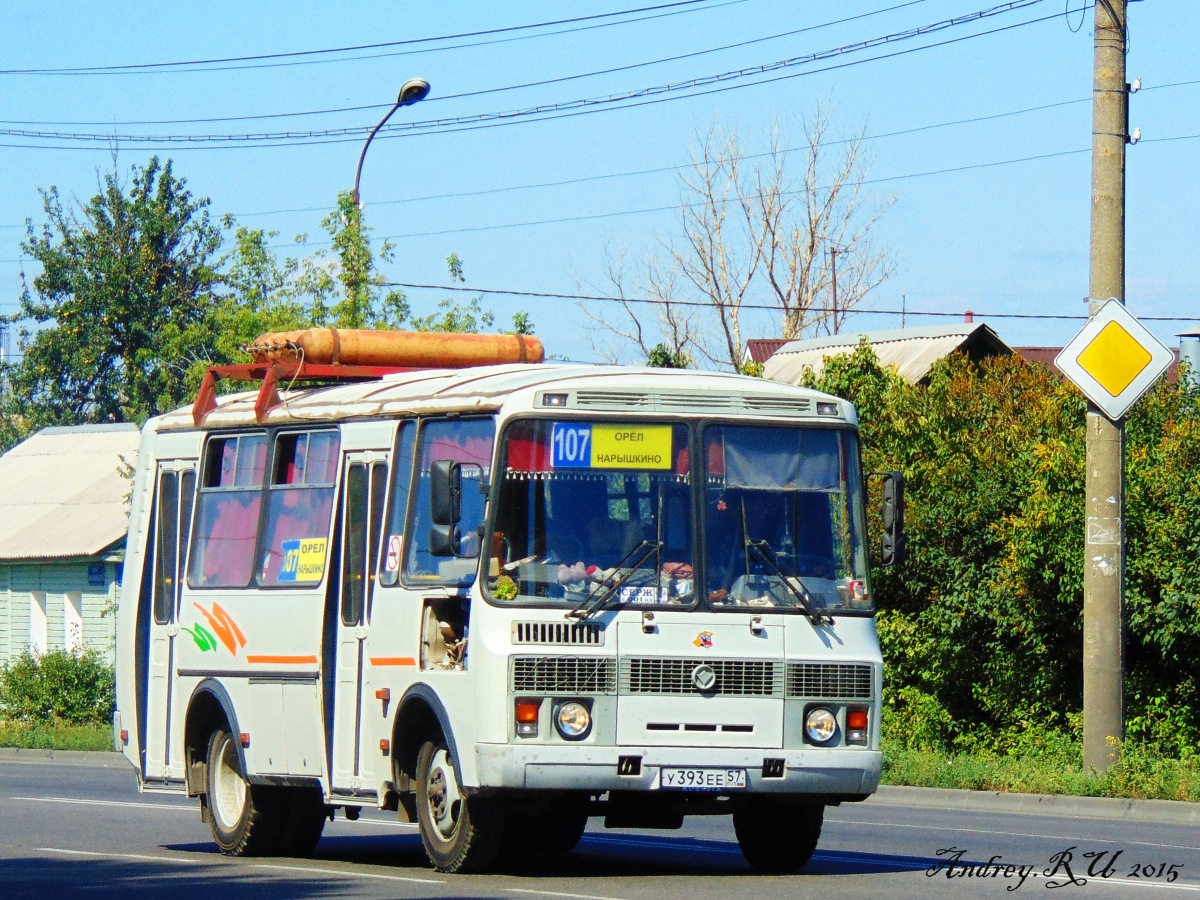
413,91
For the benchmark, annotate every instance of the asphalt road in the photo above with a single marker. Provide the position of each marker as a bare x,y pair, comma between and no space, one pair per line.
78,826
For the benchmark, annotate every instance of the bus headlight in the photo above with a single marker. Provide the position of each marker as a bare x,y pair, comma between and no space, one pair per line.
573,720
820,725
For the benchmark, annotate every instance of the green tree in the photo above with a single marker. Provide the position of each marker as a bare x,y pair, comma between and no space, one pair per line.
981,627
456,317
122,300
345,290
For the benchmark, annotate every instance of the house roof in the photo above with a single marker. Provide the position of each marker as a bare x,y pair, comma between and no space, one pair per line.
912,351
1047,355
761,349
62,492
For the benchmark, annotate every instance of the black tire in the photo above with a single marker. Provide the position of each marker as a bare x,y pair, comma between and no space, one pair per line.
459,833
777,837
560,832
543,836
245,818
304,816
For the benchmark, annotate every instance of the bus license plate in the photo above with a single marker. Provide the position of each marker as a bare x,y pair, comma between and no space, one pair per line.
703,779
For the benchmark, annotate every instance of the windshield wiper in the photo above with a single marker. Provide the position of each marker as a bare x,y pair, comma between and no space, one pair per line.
799,590
604,591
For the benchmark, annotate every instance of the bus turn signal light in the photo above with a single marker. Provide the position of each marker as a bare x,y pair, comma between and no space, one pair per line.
856,726
528,710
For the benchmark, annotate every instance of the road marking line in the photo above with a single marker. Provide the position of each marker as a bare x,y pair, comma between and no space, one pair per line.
1144,884
558,894
145,857
140,857
1023,834
347,874
125,803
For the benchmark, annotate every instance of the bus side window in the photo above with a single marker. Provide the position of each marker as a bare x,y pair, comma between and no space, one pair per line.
470,443
356,527
362,523
378,487
167,562
222,553
299,508
392,537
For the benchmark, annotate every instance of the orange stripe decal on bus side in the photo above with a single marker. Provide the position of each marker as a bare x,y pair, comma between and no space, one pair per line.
285,660
393,661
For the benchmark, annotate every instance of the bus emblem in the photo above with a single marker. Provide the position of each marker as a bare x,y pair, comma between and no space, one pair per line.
704,639
704,677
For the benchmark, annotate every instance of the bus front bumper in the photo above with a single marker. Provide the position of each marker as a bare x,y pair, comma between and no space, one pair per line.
829,772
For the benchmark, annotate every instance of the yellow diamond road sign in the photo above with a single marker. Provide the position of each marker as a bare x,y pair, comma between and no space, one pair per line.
1114,359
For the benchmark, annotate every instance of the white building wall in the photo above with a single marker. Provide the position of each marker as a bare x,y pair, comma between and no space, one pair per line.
58,582
5,613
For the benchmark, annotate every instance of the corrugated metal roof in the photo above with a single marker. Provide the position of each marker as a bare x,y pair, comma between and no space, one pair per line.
912,351
761,349
62,492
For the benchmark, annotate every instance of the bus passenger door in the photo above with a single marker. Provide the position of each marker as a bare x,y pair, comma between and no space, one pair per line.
176,490
361,521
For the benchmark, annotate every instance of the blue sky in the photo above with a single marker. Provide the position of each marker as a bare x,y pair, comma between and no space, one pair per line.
989,215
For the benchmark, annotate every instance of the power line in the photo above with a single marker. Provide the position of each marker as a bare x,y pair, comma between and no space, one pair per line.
659,209
603,298
639,97
673,168
138,68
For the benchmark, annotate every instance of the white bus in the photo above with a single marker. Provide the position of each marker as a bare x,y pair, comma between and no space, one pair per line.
501,600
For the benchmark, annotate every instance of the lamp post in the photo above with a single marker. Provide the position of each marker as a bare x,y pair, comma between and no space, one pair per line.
413,91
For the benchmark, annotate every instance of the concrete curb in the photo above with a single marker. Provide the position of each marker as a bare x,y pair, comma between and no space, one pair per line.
96,758
1173,812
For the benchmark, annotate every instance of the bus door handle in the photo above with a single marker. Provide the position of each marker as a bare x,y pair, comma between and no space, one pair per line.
360,632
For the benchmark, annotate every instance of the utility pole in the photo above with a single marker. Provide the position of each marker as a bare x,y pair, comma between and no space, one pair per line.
833,255
1104,560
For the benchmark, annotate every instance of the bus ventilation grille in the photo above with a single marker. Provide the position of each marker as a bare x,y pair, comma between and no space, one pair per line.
829,681
734,677
562,674
588,634
697,401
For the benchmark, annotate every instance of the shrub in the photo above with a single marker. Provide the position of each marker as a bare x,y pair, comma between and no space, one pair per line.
58,687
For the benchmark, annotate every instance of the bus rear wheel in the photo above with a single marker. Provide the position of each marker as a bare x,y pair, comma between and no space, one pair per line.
244,817
459,833
775,836
304,814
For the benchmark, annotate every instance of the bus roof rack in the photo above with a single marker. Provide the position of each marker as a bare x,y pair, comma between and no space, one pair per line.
269,374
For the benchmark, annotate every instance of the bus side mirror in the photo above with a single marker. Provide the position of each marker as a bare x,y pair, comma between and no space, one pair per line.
892,513
445,492
445,507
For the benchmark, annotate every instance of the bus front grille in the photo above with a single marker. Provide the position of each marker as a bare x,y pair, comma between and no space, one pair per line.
735,677
562,674
829,681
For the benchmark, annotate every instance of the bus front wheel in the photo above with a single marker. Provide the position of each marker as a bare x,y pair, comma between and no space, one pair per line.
243,816
777,837
459,833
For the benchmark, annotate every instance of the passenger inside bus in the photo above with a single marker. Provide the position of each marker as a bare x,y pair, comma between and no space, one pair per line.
792,529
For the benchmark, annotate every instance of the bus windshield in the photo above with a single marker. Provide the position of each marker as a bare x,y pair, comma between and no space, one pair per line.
784,519
598,514
591,510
